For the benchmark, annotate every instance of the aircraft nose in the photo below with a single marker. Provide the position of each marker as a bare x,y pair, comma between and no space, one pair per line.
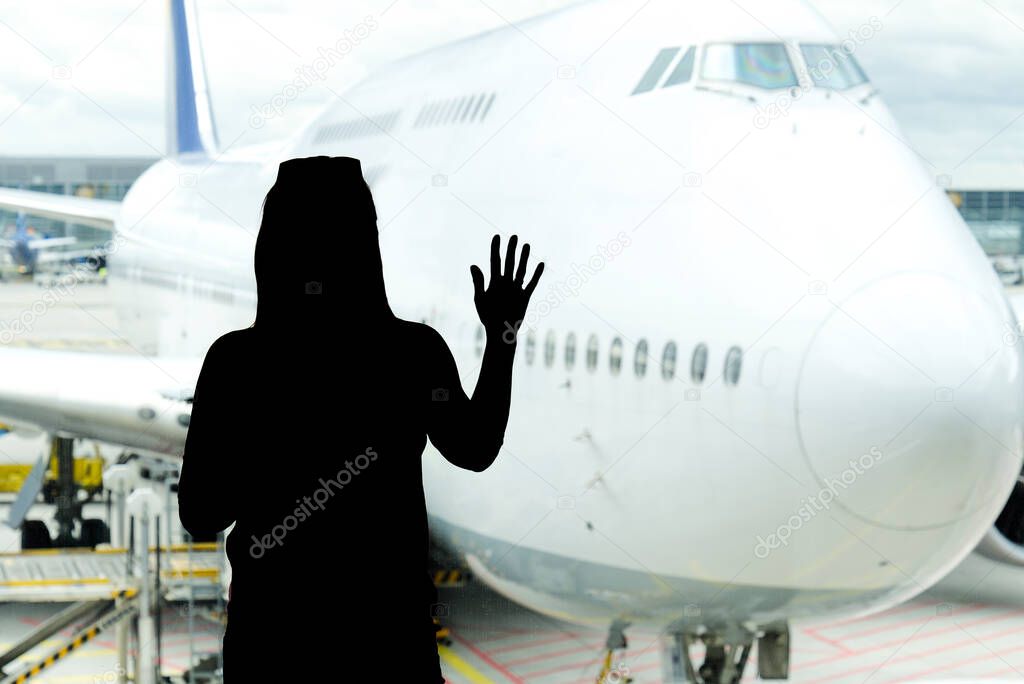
909,401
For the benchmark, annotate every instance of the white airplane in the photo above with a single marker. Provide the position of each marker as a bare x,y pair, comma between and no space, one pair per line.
769,376
29,250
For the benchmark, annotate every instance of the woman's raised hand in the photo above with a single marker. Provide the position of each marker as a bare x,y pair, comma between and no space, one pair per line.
502,305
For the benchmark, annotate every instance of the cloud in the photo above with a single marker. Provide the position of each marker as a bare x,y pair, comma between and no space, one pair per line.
949,69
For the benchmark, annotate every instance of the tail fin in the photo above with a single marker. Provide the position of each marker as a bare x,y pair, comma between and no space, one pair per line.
190,125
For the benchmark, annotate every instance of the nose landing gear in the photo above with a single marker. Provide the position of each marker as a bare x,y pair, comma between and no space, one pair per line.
725,655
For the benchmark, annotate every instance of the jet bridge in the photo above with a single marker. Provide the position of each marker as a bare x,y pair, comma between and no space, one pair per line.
107,588
63,575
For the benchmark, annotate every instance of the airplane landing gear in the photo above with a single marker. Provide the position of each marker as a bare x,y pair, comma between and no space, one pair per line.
63,492
610,672
725,655
724,660
69,508
35,535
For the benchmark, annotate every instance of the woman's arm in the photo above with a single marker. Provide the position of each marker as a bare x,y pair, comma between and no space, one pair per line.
469,432
206,501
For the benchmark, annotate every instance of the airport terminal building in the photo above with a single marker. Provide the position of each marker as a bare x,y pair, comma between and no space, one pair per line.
995,216
990,198
99,177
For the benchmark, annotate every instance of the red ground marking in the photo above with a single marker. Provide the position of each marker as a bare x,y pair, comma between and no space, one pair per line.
561,636
917,656
987,656
487,659
905,608
972,608
593,646
898,642
825,640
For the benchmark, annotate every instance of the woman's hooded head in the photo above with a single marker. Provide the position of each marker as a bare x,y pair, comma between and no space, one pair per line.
317,258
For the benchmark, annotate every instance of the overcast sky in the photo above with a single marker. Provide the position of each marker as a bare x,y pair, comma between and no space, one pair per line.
951,70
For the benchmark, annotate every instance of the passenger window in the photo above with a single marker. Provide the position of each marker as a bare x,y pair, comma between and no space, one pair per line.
683,71
428,114
570,351
615,356
764,65
466,108
592,353
531,347
654,72
668,361
699,363
487,107
549,348
830,66
733,364
476,108
640,360
446,111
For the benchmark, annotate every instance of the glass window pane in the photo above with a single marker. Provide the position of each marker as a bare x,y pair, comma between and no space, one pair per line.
592,346
996,206
615,356
719,63
1016,210
733,364
974,206
830,66
764,65
683,71
640,360
655,71
699,363
668,361
549,348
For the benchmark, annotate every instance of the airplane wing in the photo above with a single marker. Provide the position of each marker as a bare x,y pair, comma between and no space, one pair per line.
42,243
126,399
82,210
131,400
62,256
50,243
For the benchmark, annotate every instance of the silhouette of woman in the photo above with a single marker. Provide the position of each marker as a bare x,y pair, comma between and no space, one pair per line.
307,432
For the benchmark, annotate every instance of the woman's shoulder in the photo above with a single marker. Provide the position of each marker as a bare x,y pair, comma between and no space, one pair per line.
231,344
422,335
233,338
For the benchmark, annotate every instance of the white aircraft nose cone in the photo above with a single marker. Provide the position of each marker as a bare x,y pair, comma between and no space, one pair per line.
910,401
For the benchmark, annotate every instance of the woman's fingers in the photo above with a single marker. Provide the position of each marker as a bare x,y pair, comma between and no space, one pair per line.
510,268
524,258
478,281
532,285
495,258
510,256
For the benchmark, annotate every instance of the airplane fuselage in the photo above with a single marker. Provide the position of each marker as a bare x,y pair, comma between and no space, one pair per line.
765,376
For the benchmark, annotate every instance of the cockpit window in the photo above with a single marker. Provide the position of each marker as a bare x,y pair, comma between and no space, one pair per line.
683,71
829,66
763,65
654,72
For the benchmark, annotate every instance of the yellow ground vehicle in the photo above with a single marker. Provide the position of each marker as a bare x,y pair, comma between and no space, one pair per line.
88,474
